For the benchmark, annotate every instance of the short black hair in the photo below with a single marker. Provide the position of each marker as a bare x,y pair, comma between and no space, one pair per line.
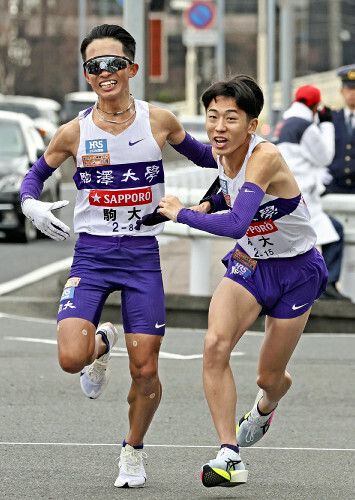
110,31
243,89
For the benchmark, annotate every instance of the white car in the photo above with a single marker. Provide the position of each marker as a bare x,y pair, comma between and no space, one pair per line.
44,112
20,147
75,102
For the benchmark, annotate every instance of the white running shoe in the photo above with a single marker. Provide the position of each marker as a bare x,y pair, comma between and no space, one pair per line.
253,426
94,378
227,470
132,473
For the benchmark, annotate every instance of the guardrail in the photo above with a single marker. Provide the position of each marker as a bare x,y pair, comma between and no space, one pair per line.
190,183
342,208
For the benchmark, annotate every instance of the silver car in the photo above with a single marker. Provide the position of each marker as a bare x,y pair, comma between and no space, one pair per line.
20,146
44,112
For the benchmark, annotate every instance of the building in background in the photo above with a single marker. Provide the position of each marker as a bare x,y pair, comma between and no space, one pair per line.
39,43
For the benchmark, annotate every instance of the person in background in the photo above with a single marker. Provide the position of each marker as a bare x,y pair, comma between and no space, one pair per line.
308,147
342,168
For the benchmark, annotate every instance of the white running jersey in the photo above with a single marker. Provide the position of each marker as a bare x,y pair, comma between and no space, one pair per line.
119,178
280,228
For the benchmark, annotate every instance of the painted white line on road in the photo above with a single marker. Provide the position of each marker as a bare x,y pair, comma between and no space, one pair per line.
27,318
123,350
36,275
29,339
167,355
249,333
266,448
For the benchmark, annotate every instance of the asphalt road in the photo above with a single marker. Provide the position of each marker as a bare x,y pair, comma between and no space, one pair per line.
18,259
57,444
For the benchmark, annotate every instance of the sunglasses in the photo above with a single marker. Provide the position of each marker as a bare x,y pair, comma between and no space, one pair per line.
95,65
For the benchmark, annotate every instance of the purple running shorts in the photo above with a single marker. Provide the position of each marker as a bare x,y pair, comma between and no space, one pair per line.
284,287
102,265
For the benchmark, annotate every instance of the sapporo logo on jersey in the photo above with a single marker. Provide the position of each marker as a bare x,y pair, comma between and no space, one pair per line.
96,146
260,228
120,197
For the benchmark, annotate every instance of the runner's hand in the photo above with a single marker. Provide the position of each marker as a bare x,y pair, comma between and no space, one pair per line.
170,206
40,213
203,207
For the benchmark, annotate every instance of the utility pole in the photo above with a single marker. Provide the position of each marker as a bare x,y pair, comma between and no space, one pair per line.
262,44
82,35
270,61
44,21
135,22
286,51
334,31
220,47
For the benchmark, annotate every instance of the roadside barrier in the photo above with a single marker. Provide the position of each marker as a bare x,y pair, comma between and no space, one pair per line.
190,183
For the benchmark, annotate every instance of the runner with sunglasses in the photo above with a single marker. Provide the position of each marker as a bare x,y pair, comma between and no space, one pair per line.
117,148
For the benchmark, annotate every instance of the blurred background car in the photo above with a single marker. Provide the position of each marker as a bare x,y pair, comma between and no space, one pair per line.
75,102
45,113
20,146
195,125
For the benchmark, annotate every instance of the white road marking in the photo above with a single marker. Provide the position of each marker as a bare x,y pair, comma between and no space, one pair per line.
27,318
122,350
197,330
266,448
33,276
29,339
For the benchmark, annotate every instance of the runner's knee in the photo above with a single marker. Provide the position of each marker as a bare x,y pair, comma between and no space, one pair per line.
144,375
216,350
75,349
271,381
72,361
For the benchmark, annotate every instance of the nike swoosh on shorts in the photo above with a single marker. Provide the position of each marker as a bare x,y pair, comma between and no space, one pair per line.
294,307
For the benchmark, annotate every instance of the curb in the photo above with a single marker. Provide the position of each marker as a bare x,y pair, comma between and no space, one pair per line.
182,311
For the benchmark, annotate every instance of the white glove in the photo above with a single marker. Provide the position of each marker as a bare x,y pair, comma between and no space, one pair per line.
325,177
40,214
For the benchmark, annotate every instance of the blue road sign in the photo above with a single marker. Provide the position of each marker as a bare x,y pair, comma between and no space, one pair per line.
201,14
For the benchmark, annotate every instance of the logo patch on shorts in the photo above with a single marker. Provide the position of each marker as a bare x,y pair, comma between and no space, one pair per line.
96,160
68,293
244,259
243,264
72,282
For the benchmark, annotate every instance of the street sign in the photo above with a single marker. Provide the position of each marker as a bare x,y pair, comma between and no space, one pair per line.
200,38
201,15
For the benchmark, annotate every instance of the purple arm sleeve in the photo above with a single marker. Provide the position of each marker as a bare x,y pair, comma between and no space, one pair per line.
233,224
200,154
33,181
